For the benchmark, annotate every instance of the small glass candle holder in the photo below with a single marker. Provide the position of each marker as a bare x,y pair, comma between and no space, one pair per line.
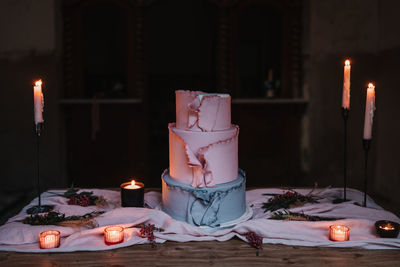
339,233
132,194
387,229
49,239
113,235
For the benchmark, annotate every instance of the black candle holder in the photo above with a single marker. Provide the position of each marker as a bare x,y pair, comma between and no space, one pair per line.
366,146
132,197
387,229
38,208
345,115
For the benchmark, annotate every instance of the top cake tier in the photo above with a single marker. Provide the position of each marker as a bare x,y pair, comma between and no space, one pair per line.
199,111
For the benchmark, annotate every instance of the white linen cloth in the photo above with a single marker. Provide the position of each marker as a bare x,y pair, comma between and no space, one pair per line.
16,236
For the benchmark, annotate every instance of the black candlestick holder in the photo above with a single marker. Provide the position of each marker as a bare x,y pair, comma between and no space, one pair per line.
38,208
345,115
366,146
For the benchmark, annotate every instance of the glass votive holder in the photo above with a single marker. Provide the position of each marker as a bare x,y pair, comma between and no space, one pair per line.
113,235
339,233
49,239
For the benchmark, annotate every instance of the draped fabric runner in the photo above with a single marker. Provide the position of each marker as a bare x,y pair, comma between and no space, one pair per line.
16,236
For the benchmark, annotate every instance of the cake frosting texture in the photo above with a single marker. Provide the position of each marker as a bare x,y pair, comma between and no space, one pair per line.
203,144
204,206
198,111
203,158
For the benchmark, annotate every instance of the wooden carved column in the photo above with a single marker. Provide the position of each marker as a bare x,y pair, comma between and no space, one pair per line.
224,38
295,28
139,57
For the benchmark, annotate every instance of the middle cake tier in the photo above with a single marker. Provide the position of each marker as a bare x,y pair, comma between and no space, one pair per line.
203,159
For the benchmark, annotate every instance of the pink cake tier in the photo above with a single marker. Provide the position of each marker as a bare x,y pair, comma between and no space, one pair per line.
203,159
202,112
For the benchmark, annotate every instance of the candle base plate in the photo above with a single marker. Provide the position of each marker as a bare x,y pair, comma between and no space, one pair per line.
39,209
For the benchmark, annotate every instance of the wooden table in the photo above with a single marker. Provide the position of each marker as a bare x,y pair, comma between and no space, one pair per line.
229,253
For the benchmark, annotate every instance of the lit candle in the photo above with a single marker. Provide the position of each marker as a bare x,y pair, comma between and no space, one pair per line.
132,185
49,239
339,233
346,85
369,111
387,229
113,235
38,101
132,194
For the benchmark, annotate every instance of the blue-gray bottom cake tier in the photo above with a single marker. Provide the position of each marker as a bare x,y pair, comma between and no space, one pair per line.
204,206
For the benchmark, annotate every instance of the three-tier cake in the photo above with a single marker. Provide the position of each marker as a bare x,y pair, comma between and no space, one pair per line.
203,185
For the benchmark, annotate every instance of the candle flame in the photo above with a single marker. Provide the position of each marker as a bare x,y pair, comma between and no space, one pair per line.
38,83
347,62
386,227
370,85
133,182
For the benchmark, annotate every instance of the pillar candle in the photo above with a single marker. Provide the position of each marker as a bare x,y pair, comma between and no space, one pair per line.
369,111
346,85
38,101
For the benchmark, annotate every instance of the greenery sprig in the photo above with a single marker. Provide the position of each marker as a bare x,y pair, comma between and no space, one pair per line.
289,199
295,216
83,199
55,218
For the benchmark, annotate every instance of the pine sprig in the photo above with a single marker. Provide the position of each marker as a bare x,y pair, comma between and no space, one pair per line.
289,199
295,216
55,218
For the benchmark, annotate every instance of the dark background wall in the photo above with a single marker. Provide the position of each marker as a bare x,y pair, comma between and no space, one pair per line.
365,30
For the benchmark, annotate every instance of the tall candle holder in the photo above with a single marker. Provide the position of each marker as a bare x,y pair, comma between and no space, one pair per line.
38,208
366,146
345,115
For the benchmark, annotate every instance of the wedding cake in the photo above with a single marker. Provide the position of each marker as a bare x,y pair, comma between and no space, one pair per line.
203,185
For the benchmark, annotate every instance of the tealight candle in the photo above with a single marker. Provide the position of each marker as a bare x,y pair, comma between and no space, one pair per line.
132,194
387,229
339,233
113,235
49,239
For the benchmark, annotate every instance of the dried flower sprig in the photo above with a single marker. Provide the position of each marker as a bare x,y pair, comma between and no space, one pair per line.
255,240
147,231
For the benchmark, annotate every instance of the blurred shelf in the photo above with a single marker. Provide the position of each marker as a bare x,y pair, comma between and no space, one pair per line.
71,101
269,101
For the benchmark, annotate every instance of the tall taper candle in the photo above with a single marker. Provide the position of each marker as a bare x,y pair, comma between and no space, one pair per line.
369,111
38,101
346,85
